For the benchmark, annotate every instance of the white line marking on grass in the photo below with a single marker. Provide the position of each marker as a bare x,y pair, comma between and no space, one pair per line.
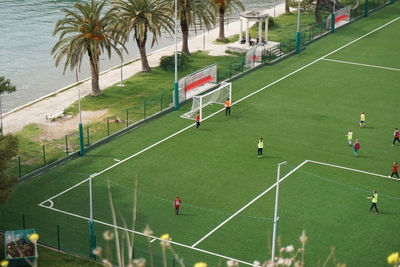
117,160
248,204
153,237
350,169
360,64
249,95
315,61
153,240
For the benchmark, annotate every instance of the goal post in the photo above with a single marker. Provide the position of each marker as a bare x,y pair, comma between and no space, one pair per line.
216,96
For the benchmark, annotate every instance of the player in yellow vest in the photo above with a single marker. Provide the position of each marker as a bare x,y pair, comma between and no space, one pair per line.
362,120
374,200
349,137
260,146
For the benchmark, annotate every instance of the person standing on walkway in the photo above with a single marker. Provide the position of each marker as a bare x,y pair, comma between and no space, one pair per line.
197,120
362,120
227,107
374,200
349,137
177,204
356,147
395,169
260,146
395,136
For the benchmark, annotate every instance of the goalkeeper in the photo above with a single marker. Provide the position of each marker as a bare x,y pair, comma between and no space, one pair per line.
227,107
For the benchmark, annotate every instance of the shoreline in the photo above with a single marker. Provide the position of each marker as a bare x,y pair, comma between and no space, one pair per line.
37,110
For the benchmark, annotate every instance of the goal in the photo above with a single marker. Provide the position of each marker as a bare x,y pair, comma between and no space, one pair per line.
216,96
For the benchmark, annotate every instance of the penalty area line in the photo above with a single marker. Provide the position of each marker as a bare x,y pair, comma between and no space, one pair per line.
360,64
153,238
248,204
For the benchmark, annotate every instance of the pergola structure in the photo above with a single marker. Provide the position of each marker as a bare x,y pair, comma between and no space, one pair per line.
247,16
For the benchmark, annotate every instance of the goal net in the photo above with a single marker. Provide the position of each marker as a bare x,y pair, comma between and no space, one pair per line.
342,14
197,82
216,96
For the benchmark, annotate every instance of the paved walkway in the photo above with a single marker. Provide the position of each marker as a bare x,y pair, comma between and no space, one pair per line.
36,111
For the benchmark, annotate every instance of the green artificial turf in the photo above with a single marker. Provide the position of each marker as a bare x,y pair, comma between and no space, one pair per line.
215,169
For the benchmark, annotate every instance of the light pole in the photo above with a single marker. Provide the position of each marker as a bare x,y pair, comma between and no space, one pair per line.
276,218
298,28
81,140
92,237
176,88
122,58
1,118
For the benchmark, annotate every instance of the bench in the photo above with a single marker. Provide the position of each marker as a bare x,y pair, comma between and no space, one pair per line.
54,115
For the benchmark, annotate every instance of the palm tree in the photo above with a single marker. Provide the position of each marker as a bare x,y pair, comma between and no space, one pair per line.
143,16
88,29
191,13
224,6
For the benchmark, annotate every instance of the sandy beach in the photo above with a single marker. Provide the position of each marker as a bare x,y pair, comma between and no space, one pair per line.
36,111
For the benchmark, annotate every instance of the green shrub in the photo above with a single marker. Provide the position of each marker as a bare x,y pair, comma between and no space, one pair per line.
168,62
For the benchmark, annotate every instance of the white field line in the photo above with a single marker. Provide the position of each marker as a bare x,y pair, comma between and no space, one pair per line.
350,169
152,237
248,204
315,61
249,95
360,64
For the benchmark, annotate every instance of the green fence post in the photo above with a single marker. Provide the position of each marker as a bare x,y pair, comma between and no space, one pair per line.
366,9
44,156
297,42
108,126
176,96
144,109
230,70
92,240
333,15
87,133
127,117
19,167
66,144
58,237
81,141
161,101
23,221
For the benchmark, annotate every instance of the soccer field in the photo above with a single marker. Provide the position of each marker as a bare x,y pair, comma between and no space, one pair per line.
303,107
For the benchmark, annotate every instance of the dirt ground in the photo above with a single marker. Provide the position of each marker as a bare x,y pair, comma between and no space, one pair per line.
65,125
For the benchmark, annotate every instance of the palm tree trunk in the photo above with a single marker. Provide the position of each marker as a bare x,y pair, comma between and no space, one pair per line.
143,56
185,33
94,70
221,23
287,9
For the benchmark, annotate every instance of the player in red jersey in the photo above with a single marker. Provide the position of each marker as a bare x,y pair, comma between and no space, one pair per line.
177,203
197,120
395,136
356,148
395,170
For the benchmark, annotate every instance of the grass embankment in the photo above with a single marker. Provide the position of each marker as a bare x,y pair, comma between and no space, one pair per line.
143,94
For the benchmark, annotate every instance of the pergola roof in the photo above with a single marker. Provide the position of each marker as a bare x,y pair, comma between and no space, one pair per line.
254,14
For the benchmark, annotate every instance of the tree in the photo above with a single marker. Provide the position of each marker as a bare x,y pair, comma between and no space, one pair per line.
325,5
88,29
5,88
141,17
224,6
8,150
287,8
191,13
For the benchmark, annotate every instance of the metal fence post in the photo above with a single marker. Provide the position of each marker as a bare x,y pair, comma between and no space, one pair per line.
23,221
144,109
88,138
44,156
58,237
66,144
366,9
108,126
127,117
19,167
161,101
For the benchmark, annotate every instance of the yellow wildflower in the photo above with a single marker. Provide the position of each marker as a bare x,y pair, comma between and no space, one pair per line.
393,258
165,238
200,264
4,263
34,237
